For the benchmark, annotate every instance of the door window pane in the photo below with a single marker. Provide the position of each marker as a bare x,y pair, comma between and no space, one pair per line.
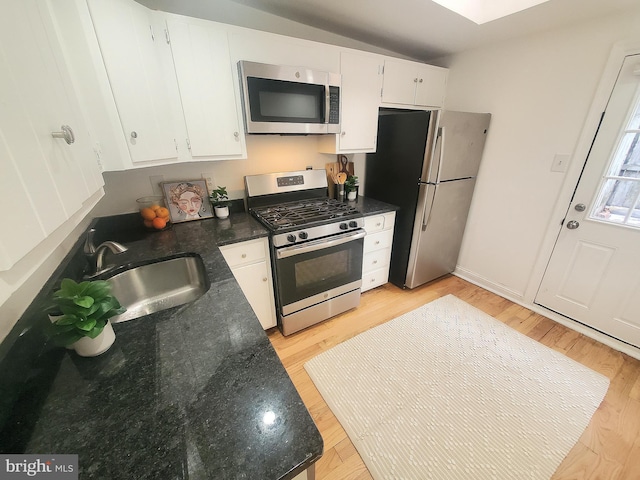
618,199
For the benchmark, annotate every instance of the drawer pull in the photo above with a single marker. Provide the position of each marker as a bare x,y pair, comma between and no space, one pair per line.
372,280
244,255
375,261
264,279
378,224
377,242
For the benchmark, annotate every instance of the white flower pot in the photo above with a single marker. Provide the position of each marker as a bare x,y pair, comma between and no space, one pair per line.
221,212
352,195
92,347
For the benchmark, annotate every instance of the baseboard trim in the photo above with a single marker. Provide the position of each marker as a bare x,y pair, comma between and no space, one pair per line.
518,298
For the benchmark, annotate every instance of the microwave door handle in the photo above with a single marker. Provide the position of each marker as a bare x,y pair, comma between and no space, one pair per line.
327,101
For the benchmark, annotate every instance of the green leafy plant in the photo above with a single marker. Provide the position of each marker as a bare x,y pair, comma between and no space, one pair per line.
350,183
85,307
219,197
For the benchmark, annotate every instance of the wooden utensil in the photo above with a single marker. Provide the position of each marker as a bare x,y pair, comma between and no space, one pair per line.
344,161
342,177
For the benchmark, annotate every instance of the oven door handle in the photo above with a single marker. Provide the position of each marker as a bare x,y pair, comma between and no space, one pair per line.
320,244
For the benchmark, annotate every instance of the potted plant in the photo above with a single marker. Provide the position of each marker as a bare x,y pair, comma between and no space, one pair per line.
351,187
220,201
80,316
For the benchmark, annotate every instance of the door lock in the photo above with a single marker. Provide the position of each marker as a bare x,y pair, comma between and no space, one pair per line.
572,225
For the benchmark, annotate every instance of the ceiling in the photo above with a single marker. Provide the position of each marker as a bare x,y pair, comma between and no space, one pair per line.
420,29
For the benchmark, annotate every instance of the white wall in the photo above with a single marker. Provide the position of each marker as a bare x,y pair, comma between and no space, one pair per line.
539,90
265,154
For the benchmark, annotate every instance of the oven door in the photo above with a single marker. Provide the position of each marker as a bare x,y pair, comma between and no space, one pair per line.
312,272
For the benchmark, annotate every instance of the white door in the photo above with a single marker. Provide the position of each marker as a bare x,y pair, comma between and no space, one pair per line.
593,275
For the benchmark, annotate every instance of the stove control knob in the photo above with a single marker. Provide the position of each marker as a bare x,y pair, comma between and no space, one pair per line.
291,237
344,226
303,235
353,224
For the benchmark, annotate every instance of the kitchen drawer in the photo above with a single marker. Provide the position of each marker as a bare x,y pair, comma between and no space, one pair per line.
245,253
375,279
377,241
374,224
375,260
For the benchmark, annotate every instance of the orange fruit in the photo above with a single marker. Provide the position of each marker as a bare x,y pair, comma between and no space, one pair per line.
162,213
148,223
159,223
155,207
148,213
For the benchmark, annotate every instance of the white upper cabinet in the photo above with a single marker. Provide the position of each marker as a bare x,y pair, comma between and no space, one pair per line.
411,83
50,178
137,56
207,88
360,98
263,47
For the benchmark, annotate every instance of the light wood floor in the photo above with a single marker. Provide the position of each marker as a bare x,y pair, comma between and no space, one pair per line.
608,449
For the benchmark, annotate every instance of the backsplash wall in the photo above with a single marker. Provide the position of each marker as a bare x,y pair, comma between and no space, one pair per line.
265,154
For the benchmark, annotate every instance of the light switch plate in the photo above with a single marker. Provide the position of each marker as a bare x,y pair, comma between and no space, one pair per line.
560,163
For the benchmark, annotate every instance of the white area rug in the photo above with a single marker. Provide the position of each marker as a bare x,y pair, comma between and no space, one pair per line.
448,392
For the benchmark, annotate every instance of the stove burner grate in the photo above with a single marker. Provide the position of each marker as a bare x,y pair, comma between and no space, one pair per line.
303,212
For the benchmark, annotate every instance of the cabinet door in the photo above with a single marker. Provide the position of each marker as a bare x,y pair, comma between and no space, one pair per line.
255,281
360,95
138,61
46,179
400,80
203,68
431,86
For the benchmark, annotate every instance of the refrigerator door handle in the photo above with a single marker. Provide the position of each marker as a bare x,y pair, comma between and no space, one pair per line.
426,217
440,142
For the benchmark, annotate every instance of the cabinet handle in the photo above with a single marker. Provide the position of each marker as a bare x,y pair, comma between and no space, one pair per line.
264,279
134,134
236,134
375,262
377,242
66,133
415,80
343,133
378,224
244,255
372,280
420,80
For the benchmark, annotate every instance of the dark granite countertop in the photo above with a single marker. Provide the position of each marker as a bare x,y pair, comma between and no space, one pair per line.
194,392
368,206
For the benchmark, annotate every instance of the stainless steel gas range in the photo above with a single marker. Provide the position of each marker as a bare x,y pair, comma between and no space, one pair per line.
316,246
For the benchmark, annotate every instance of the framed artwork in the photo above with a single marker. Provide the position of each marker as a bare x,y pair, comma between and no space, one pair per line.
187,200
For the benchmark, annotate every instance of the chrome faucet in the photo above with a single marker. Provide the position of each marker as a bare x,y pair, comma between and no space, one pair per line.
95,255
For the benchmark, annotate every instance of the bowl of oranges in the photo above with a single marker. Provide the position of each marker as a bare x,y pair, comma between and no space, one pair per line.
153,212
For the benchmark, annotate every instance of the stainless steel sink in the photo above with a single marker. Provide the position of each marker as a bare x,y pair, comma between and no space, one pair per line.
158,286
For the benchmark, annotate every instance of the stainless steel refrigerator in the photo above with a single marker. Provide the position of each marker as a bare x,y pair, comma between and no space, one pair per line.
426,163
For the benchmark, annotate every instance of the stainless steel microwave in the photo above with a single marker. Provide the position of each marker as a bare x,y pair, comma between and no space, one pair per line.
289,100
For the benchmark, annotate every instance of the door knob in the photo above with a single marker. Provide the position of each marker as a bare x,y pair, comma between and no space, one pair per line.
572,225
580,207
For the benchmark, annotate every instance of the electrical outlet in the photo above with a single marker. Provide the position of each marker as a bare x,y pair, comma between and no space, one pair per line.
560,163
209,179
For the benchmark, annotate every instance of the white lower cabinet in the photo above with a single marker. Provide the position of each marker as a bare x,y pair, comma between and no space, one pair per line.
250,263
377,250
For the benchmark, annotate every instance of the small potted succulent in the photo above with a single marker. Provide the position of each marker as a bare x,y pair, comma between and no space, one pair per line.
80,314
351,187
219,198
